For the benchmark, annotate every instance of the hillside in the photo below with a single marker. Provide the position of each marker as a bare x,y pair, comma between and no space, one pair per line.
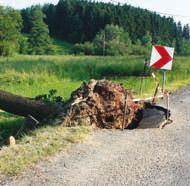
79,21
96,25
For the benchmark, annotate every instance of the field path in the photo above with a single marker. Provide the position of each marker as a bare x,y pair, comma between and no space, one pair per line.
137,157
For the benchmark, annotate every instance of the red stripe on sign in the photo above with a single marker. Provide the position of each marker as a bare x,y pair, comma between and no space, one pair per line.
165,57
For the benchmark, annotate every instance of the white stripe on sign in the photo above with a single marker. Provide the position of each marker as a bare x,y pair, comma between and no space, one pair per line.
161,57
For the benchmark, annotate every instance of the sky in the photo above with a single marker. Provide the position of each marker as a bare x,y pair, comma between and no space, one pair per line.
178,8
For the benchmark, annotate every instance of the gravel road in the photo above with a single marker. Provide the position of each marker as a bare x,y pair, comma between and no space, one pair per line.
138,157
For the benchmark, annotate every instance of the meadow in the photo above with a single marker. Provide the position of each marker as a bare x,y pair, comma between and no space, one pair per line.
34,75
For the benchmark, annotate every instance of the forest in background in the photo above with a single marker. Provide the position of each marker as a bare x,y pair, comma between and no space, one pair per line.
95,28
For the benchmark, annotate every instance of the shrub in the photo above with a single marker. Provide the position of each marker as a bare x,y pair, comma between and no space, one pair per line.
139,50
113,40
87,48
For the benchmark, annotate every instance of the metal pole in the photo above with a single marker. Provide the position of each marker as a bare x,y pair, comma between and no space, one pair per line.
163,81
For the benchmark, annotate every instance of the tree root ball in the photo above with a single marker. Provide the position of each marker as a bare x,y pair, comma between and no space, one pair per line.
101,103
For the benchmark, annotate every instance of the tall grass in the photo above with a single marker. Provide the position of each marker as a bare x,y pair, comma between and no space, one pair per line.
32,75
77,68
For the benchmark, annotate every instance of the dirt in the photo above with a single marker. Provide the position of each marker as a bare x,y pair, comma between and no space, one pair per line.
143,156
101,103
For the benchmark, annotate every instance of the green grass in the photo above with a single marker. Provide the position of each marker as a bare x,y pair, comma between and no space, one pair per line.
9,126
61,47
34,75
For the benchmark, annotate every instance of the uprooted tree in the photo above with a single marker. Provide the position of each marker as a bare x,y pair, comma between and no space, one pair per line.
99,102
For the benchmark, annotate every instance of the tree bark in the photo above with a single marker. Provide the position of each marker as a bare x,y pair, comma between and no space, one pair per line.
23,106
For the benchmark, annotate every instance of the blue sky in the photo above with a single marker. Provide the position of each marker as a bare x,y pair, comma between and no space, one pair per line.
181,9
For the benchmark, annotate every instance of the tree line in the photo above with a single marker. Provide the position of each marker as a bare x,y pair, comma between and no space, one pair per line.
78,21
89,24
12,38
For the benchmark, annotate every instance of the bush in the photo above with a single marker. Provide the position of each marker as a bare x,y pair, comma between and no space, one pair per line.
6,48
50,50
115,48
78,49
139,50
86,49
89,48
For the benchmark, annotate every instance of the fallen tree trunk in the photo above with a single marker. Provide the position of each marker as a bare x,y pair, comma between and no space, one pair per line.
98,102
23,106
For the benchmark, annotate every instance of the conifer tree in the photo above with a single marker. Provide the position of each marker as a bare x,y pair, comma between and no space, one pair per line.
39,39
10,27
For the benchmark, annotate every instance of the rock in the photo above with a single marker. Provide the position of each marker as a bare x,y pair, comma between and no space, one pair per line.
11,141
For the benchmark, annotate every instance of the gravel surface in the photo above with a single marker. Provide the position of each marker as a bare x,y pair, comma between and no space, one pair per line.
148,156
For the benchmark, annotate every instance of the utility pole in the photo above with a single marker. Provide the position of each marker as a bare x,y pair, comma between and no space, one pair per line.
104,42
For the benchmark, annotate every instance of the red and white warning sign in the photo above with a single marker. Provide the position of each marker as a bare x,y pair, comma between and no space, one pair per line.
162,57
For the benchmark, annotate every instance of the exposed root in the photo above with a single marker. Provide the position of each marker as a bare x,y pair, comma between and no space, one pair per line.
101,103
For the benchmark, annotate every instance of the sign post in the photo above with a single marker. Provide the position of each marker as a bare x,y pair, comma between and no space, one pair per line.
163,81
162,58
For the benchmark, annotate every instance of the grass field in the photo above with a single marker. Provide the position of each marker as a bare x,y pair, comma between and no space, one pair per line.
34,75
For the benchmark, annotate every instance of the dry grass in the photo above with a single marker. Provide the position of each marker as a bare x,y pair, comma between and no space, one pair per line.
37,145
